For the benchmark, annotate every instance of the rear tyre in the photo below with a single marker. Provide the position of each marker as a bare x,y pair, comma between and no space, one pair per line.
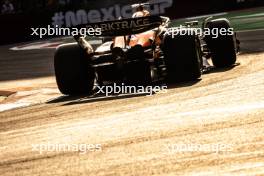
223,48
74,75
183,57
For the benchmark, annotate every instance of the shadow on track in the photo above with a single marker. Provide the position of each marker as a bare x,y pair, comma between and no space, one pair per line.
83,99
218,70
95,97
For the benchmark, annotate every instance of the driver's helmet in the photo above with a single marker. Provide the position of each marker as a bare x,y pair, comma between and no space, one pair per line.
140,11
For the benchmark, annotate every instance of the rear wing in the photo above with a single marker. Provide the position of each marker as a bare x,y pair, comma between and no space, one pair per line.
120,28
126,26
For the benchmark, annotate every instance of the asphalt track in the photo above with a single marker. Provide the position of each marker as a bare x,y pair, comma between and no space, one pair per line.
214,126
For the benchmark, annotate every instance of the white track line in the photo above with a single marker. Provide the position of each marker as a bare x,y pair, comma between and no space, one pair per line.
205,16
251,30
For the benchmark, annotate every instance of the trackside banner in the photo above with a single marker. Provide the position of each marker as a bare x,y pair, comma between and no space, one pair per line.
72,18
16,27
125,26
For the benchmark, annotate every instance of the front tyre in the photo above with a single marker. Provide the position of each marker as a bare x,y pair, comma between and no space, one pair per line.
223,47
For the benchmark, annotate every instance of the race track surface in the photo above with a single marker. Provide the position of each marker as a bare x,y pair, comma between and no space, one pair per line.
214,126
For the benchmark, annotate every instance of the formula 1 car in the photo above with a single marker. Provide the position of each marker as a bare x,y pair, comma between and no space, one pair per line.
142,51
